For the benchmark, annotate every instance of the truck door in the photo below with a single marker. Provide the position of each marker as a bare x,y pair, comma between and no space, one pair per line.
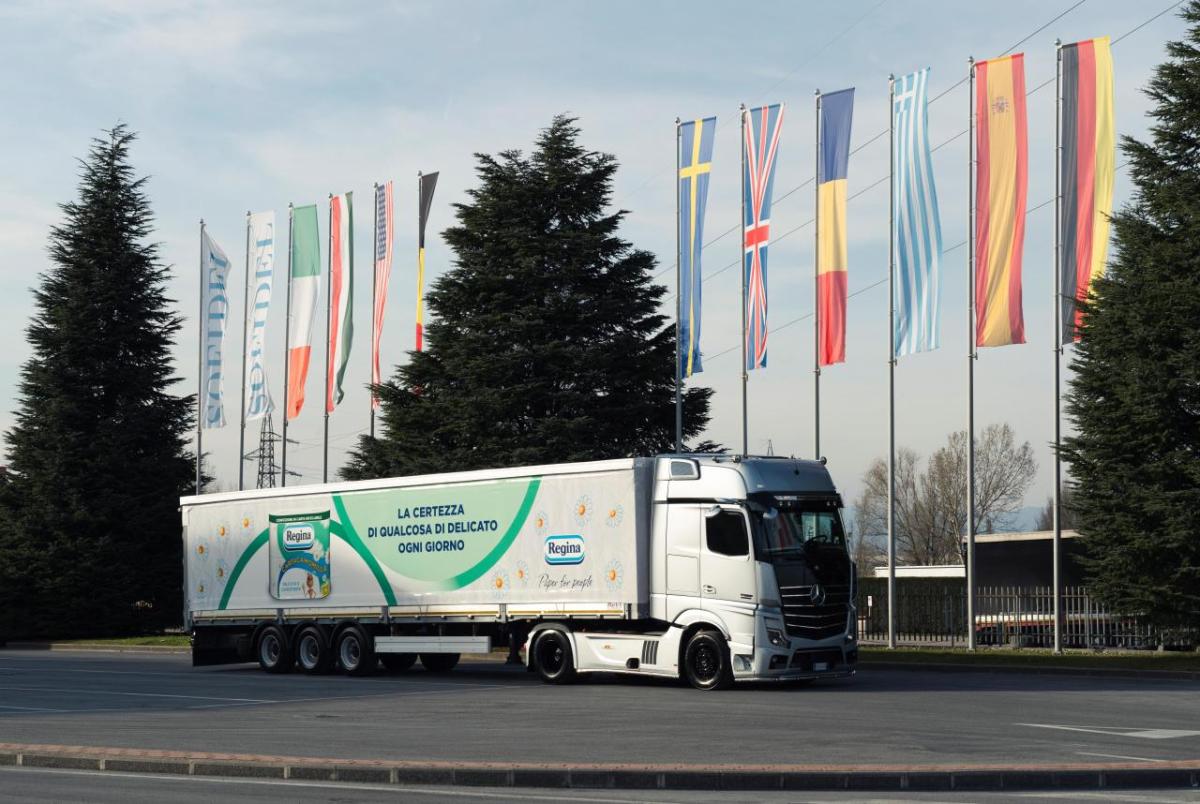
727,580
685,523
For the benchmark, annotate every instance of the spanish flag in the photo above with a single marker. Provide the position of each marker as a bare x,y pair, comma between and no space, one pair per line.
1001,172
837,112
1088,155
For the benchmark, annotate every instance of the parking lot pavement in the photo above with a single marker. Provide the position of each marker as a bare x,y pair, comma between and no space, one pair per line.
488,711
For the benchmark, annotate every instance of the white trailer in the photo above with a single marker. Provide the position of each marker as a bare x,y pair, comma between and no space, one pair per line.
713,568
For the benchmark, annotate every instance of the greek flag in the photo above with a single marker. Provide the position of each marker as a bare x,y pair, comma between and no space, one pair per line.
918,230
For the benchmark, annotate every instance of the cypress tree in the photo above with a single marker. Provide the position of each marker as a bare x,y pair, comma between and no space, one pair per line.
97,456
546,344
1135,395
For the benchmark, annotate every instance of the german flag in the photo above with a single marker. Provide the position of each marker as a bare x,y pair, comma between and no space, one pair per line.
1001,179
1086,172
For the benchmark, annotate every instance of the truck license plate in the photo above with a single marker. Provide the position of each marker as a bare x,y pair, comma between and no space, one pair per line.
820,667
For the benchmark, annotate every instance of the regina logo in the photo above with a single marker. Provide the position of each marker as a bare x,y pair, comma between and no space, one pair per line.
298,537
564,549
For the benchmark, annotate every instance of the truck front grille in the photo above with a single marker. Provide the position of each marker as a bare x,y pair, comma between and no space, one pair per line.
808,619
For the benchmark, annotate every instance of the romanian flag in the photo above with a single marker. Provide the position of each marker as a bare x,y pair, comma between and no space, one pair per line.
425,187
1001,178
1088,156
695,163
837,111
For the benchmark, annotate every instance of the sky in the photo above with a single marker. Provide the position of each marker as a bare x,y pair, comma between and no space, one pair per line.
251,106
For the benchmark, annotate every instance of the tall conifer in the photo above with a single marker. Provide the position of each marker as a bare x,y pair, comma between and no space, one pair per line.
547,342
97,457
1135,396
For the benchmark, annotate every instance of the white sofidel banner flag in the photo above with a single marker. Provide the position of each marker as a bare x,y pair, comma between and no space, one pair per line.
262,245
216,317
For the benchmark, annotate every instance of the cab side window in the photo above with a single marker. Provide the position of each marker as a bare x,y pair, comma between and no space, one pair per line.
726,535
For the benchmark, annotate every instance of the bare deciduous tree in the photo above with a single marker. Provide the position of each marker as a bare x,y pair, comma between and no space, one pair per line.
931,505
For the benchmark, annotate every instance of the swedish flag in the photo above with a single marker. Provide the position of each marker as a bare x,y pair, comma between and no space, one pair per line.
695,163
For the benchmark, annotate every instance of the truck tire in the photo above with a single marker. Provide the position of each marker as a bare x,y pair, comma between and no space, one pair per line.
439,662
273,650
356,652
397,662
552,657
314,654
706,662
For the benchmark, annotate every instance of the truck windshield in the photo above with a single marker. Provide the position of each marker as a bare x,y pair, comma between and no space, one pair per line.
792,528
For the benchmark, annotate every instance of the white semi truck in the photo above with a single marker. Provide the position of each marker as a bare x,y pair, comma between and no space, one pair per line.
711,568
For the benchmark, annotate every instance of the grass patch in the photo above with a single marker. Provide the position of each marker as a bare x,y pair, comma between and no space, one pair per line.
1035,657
160,641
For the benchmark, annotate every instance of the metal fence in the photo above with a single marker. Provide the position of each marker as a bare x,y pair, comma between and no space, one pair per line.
1018,616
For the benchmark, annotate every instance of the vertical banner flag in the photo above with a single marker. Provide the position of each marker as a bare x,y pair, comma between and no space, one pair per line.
383,270
695,160
306,284
1088,157
760,146
1001,178
262,241
837,113
918,227
426,184
341,300
216,317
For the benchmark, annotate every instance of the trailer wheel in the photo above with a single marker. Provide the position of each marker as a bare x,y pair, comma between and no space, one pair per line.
439,662
314,654
397,662
706,662
273,650
356,652
552,657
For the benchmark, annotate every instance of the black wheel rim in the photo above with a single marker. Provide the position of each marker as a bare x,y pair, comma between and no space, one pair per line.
552,657
705,663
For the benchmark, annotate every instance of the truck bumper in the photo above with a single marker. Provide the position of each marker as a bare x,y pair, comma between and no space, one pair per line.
786,664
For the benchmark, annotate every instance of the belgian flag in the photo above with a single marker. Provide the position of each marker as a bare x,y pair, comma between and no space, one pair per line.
1086,172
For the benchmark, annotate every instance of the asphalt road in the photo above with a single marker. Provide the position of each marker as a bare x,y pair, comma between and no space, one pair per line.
34,786
487,711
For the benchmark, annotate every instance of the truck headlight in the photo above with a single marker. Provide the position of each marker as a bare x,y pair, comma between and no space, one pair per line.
776,638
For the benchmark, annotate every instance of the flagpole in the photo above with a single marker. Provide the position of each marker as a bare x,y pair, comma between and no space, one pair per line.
891,515
1058,346
328,342
420,263
742,225
678,300
200,366
287,336
374,291
245,315
817,284
971,256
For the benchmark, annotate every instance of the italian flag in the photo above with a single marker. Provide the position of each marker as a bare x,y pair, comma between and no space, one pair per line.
304,284
341,278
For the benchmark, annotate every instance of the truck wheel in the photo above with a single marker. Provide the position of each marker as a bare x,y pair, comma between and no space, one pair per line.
397,662
706,662
356,652
439,662
274,651
552,657
314,654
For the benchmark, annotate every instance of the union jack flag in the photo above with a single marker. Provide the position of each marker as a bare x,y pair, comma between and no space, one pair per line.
760,135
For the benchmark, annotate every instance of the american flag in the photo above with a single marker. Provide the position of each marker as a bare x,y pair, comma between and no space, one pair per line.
383,269
760,132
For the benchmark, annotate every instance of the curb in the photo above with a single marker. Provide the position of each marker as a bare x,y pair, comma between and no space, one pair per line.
1026,669
58,647
1081,776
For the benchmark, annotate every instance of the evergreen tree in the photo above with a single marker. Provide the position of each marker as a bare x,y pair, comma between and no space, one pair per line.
1135,396
97,457
546,343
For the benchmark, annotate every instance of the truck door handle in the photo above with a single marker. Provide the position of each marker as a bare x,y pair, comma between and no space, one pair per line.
712,590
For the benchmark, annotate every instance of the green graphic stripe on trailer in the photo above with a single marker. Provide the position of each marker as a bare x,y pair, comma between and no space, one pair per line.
345,529
242,561
464,578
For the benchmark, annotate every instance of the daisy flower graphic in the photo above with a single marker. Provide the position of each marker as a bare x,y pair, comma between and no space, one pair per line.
614,515
583,510
614,574
522,574
500,583
541,522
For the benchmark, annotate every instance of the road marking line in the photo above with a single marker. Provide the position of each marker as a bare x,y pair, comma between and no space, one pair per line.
1117,756
32,708
1120,731
139,694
